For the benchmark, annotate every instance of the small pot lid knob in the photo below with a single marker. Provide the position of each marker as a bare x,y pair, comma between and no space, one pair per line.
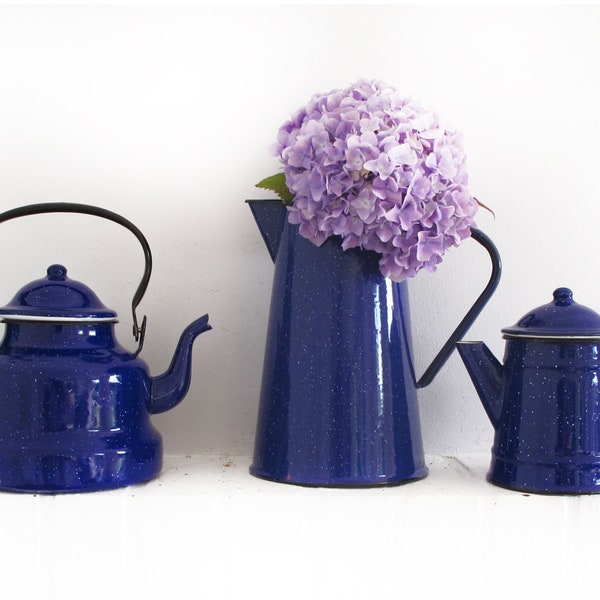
563,297
57,273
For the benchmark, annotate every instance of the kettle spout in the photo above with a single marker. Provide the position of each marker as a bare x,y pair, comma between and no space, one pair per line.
270,218
486,373
169,389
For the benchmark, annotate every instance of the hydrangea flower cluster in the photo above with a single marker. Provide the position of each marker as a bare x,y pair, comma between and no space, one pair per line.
380,171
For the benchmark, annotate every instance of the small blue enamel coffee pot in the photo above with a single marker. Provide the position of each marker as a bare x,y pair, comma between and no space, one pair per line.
75,406
544,402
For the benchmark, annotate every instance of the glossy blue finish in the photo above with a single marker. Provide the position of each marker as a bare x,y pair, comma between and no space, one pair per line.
544,402
57,296
338,403
563,317
169,388
75,405
74,410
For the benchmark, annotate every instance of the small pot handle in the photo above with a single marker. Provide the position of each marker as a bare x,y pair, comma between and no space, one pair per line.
443,355
68,207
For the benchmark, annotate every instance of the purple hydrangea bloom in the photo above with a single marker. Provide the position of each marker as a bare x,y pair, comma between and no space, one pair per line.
380,171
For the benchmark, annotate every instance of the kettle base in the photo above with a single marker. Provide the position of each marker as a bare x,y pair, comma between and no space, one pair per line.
69,473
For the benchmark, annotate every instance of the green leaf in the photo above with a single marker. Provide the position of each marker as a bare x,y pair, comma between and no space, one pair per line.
276,183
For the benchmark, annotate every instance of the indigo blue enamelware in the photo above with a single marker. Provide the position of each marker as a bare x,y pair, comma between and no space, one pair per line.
544,401
338,404
75,406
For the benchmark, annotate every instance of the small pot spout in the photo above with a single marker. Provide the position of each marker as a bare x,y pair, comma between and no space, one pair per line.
169,389
486,373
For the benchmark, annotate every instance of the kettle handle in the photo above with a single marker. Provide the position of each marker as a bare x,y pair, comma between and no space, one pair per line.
53,207
444,354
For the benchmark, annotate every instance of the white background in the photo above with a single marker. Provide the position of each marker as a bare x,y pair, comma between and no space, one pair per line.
165,114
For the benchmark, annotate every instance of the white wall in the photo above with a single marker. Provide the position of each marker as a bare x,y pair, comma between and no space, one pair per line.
166,115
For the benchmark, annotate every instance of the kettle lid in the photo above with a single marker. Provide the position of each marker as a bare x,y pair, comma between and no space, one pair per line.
561,318
56,297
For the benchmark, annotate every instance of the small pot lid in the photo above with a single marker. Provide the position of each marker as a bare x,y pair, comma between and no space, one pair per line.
561,318
56,297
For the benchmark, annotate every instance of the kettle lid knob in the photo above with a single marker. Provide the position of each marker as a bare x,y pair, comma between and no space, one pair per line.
563,297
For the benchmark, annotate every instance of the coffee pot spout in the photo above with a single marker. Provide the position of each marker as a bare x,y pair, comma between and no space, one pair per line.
486,372
170,388
270,217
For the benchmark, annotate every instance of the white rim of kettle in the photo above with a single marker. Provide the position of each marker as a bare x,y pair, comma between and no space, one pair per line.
519,336
59,319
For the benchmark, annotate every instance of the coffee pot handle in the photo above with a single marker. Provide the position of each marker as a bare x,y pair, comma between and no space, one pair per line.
444,354
69,207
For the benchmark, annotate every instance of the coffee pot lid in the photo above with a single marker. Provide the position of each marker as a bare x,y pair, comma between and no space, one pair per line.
561,318
56,297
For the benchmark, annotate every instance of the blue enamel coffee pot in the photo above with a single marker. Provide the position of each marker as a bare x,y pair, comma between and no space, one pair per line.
75,405
338,402
544,401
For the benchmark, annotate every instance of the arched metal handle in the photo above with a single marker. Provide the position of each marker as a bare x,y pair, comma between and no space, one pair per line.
444,354
68,207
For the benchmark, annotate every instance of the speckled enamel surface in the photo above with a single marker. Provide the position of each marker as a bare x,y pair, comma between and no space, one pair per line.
548,435
75,405
544,402
338,404
73,410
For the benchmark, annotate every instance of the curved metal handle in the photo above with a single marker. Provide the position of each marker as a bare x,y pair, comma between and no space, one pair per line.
444,354
53,207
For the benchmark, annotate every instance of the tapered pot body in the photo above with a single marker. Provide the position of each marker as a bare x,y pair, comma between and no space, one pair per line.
338,403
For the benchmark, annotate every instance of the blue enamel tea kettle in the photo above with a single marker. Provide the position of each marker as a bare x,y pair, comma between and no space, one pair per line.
544,401
75,406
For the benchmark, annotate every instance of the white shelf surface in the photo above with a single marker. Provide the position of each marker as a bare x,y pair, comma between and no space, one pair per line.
207,529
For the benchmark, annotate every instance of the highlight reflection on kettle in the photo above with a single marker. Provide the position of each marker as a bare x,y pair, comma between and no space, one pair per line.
74,404
544,401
